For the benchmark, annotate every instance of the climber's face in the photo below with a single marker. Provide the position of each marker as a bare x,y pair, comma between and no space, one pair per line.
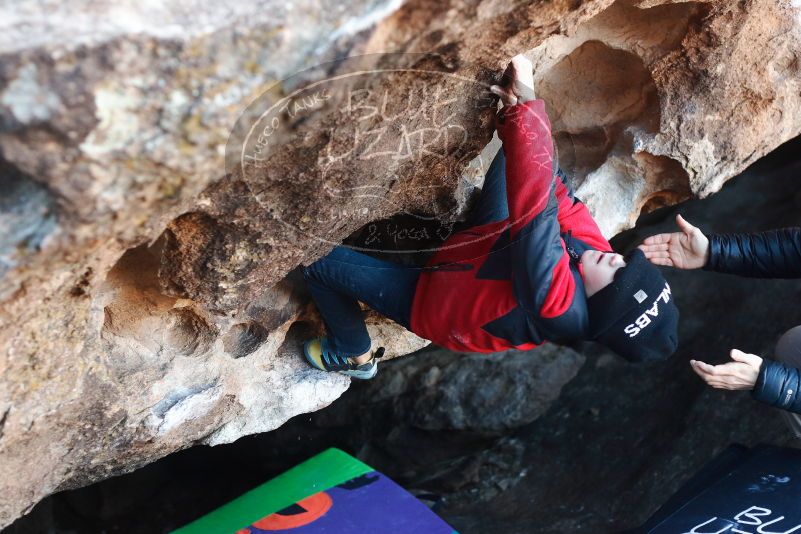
598,269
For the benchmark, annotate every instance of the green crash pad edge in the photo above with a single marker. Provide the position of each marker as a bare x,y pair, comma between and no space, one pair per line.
318,473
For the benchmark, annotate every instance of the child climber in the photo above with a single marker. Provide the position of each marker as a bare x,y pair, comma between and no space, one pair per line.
531,267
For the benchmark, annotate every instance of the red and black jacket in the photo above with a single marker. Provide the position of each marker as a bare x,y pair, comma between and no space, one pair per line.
514,283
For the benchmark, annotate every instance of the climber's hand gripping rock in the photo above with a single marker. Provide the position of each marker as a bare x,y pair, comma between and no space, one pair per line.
517,86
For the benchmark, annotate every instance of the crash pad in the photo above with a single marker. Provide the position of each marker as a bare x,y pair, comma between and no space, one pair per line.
742,491
331,493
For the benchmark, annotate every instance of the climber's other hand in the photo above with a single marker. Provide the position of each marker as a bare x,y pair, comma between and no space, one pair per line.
517,85
687,249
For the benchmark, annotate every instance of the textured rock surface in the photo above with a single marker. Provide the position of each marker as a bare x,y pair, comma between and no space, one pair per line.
618,441
140,312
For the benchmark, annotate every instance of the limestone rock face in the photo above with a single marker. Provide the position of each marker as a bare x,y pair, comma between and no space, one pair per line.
148,295
653,102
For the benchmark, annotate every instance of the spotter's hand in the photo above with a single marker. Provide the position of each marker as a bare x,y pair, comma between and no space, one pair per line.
741,373
687,249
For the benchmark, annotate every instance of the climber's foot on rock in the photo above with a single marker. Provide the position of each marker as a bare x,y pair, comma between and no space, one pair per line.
320,356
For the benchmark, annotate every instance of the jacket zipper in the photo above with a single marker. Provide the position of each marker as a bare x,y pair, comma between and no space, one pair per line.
573,254
570,250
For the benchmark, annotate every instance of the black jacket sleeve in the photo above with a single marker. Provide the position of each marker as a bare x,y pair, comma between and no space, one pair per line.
777,385
773,254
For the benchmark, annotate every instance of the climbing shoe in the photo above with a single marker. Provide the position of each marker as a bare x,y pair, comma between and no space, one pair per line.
320,356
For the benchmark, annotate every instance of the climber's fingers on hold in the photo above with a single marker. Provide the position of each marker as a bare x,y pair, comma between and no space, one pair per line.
506,95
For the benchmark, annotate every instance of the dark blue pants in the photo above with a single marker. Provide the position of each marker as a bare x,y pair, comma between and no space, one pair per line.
345,276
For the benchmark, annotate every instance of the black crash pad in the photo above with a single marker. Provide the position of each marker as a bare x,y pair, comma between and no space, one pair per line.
741,491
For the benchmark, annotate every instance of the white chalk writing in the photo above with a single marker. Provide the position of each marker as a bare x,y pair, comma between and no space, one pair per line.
754,516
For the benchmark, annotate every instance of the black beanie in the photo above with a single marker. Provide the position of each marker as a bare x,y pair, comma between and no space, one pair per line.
635,315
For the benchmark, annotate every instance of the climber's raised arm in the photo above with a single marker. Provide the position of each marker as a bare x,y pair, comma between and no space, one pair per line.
541,278
573,215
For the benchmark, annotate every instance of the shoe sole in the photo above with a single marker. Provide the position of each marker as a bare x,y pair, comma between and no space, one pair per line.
360,375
